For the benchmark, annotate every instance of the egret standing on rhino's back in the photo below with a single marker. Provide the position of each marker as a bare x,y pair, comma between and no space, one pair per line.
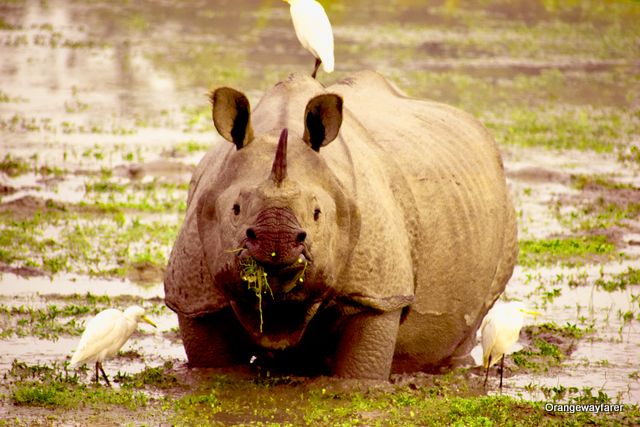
314,31
106,334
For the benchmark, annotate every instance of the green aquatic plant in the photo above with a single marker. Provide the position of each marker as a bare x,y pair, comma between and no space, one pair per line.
581,182
600,213
568,250
569,330
256,278
55,394
159,377
629,154
85,240
14,166
620,281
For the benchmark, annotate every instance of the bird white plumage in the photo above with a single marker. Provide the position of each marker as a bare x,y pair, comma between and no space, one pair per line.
500,330
314,32
106,334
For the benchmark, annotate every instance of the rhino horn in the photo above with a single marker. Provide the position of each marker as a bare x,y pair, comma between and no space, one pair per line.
279,168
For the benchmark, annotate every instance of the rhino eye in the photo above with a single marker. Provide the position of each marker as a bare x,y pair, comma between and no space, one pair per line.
236,209
316,214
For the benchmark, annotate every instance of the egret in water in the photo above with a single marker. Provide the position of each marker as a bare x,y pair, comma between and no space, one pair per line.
314,31
106,334
500,330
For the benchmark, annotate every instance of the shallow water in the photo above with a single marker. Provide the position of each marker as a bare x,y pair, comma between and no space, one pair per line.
12,285
118,86
154,350
606,359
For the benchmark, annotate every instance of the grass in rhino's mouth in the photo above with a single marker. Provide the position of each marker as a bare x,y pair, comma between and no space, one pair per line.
255,275
256,278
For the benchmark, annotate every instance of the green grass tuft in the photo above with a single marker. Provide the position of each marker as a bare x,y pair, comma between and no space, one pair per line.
567,250
256,278
620,281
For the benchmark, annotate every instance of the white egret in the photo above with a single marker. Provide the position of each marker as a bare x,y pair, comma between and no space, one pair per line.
314,31
106,334
500,330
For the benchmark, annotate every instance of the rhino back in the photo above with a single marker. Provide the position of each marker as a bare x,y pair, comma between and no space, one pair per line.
448,210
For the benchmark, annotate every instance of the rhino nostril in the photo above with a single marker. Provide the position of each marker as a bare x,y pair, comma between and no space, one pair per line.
301,236
251,234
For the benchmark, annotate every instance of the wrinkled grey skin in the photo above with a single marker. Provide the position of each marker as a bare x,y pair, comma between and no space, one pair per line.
400,206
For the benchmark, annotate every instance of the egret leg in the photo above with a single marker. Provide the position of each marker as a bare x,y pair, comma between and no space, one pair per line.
486,375
97,376
315,70
103,374
501,372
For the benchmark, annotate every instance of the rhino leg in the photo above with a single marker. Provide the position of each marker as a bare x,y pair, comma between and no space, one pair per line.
367,344
215,340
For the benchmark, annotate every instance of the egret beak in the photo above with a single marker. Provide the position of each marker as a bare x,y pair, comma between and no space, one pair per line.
147,320
531,313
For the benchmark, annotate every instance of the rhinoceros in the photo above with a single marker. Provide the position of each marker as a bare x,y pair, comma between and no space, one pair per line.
382,225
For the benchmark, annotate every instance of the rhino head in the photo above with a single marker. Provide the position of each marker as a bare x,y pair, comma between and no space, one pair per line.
276,209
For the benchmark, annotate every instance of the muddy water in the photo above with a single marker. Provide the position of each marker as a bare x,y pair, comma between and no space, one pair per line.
63,284
607,359
120,87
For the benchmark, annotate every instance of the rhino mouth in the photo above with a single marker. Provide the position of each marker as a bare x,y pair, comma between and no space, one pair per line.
274,302
283,323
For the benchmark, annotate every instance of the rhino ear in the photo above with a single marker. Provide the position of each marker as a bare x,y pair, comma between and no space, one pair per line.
322,120
231,116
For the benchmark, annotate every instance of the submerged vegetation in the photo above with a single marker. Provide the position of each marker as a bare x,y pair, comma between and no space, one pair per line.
451,399
56,395
55,241
575,129
620,281
551,344
62,316
567,250
601,214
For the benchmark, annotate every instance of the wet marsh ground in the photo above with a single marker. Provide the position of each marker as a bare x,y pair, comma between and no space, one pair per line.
103,116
